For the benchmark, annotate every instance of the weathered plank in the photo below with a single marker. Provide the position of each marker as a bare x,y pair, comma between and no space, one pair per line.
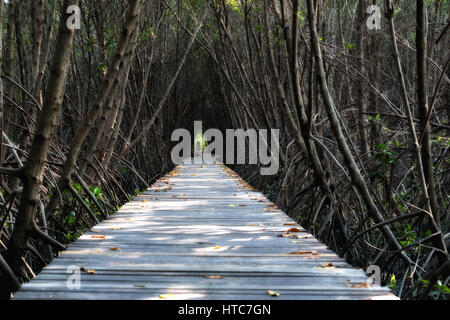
202,221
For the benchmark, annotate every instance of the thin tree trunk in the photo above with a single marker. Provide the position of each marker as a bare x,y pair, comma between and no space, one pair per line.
305,126
83,130
45,55
9,63
122,81
422,72
32,173
163,100
38,32
438,241
362,104
355,174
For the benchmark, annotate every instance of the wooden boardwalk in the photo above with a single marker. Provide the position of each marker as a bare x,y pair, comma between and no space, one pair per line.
200,233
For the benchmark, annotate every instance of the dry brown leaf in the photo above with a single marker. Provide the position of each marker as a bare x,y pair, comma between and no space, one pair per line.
290,224
293,230
357,285
300,252
328,265
273,293
88,271
98,237
212,277
287,235
114,249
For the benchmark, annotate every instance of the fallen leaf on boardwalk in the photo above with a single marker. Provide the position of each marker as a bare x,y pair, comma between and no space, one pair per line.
217,247
116,229
328,266
213,277
294,230
357,285
114,249
167,296
140,285
290,224
273,293
295,241
304,252
287,235
232,205
88,271
242,205
98,237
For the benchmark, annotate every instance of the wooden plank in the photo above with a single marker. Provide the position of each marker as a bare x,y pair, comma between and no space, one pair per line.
200,222
317,284
200,295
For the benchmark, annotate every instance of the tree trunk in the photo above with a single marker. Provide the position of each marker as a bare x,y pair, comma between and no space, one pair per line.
83,130
361,89
422,77
32,173
9,64
38,32
355,174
